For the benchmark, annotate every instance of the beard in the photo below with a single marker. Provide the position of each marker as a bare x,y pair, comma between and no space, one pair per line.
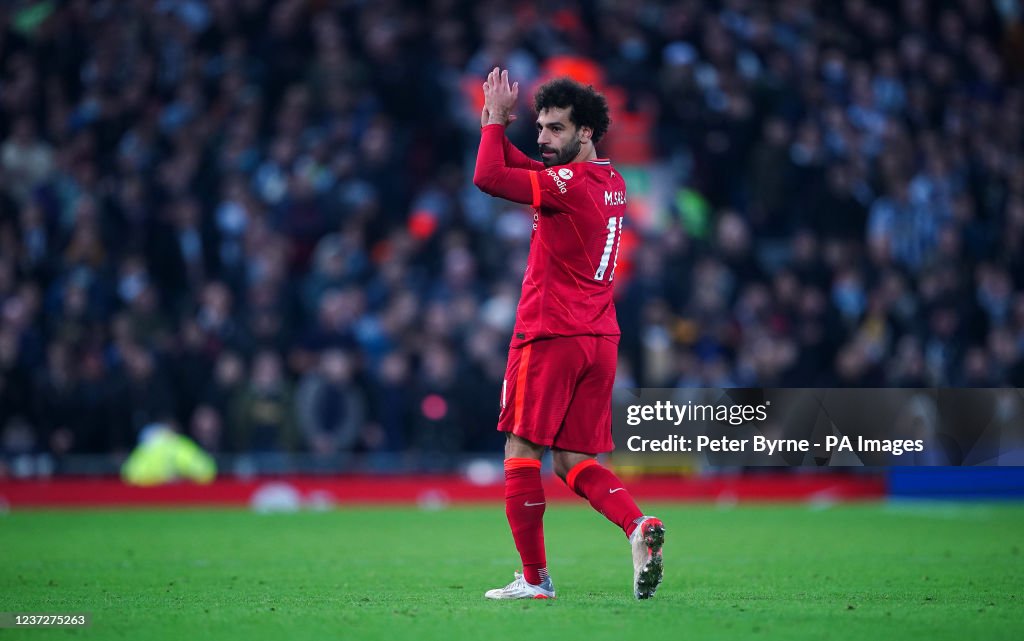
563,157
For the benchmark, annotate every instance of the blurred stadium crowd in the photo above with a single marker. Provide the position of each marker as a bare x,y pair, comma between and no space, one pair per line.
256,218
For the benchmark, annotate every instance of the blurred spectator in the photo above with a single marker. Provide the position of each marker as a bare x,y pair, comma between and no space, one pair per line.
143,392
26,159
207,428
329,408
262,419
393,410
228,381
439,428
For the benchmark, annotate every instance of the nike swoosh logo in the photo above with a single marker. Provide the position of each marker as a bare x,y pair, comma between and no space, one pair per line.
616,490
528,504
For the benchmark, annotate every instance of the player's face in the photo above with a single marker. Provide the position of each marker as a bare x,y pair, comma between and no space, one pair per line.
557,138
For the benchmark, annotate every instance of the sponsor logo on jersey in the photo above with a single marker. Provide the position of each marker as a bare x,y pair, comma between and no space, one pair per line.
565,173
558,181
615,198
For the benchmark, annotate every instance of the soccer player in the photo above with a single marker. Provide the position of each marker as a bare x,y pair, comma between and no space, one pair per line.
561,364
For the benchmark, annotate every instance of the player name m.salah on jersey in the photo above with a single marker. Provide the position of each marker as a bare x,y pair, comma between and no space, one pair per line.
577,222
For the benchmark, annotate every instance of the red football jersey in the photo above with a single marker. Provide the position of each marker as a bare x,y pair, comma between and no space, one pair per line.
577,222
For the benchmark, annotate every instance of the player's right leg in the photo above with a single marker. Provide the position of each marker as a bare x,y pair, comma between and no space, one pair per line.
520,588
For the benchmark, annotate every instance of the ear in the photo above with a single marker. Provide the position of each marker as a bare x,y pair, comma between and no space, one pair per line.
585,133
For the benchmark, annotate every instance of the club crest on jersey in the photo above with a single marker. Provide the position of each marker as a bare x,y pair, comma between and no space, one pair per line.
558,181
565,173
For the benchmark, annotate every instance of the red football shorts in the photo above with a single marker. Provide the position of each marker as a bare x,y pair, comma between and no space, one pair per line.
557,392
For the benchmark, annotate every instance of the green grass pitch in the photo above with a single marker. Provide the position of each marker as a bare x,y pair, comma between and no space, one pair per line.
864,572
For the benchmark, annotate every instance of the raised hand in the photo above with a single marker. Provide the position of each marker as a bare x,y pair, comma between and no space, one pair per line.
499,99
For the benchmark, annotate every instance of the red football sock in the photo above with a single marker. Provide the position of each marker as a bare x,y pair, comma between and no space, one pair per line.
605,492
524,507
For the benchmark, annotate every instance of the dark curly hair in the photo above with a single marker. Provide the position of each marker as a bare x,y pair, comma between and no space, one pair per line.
589,108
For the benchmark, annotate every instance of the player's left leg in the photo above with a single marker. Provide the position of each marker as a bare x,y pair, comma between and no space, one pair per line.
598,485
609,496
585,432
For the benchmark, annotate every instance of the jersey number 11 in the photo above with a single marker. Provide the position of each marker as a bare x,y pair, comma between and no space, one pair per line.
610,243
